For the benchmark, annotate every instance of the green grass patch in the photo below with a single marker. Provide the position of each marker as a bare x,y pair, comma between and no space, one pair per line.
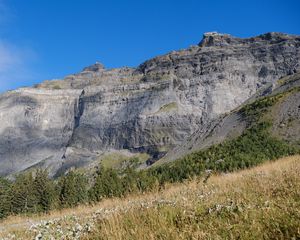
118,160
56,87
168,107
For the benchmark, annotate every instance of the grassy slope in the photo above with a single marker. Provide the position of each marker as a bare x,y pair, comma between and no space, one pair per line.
258,203
118,160
253,204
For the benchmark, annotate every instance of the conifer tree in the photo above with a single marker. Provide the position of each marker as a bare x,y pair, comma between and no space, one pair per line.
5,205
43,190
73,189
23,198
107,184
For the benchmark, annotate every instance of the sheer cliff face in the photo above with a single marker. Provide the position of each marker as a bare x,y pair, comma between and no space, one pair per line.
36,125
70,122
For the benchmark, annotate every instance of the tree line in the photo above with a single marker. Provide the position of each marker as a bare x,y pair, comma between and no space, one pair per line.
35,192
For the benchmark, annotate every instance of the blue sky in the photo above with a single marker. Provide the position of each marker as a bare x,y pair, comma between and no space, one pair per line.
48,39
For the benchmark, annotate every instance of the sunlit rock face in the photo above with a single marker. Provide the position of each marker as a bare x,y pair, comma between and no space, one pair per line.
59,124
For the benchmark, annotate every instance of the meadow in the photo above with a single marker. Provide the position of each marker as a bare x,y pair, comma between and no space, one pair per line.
258,203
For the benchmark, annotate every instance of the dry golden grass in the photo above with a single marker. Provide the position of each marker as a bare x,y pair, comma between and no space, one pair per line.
258,203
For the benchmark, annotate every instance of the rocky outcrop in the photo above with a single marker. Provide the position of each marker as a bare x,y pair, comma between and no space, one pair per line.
151,108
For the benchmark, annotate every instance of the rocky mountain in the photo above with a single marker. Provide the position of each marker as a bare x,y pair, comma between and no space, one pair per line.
280,106
75,121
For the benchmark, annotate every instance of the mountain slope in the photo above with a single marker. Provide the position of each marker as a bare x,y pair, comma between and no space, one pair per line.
258,203
153,108
280,107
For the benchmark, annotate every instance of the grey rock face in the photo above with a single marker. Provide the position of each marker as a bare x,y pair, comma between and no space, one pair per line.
36,126
152,108
285,117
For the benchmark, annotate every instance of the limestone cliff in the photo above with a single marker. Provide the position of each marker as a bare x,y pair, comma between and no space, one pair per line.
152,108
284,114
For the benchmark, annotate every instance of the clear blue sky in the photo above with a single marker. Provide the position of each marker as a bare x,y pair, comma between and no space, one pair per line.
46,39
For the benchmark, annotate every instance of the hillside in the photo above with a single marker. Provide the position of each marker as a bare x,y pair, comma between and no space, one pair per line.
258,203
268,129
135,112
278,105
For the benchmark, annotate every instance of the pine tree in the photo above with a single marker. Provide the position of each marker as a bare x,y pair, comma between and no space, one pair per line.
130,180
5,203
23,198
107,184
43,190
73,189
